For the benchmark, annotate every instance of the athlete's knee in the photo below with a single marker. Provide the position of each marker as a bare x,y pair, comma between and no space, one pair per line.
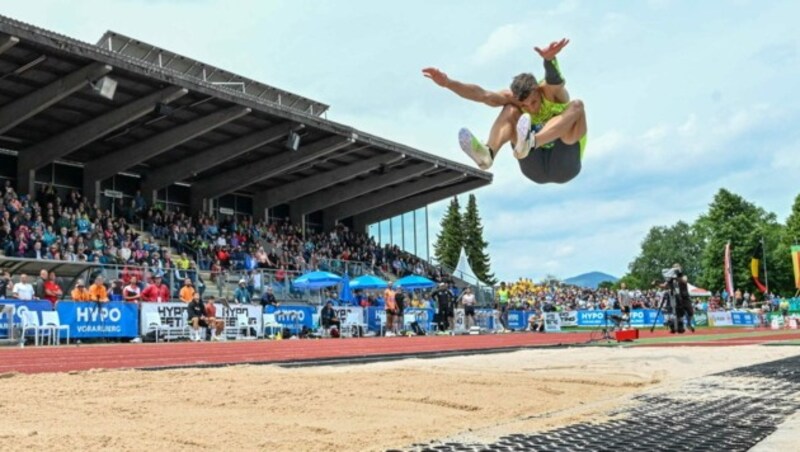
511,112
576,104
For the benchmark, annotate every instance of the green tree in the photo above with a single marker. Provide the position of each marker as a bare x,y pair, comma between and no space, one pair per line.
661,248
474,244
448,243
792,233
731,218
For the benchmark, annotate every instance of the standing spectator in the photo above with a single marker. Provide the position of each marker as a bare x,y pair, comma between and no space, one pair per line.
5,283
391,310
218,276
40,281
502,304
156,291
468,301
52,291
132,293
23,290
80,292
400,300
98,291
187,292
444,303
115,294
242,294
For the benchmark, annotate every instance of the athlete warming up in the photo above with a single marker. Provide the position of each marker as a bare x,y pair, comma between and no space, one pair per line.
546,129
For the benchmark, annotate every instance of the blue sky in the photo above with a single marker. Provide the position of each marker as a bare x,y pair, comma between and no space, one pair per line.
682,97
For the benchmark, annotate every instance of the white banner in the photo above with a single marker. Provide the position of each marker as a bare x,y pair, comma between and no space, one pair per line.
174,314
349,315
568,318
552,322
720,318
460,319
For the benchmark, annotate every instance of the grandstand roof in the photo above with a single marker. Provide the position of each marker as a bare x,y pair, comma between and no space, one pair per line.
170,124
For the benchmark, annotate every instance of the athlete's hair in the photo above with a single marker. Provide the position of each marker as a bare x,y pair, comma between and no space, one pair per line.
523,85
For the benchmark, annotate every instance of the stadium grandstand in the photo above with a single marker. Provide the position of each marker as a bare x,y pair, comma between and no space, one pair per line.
123,116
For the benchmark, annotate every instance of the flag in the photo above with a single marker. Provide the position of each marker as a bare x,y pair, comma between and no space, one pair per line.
728,270
755,266
796,264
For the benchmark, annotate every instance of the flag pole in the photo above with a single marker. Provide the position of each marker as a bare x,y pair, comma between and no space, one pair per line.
764,257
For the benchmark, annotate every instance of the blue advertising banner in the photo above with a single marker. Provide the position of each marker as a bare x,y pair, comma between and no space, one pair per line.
376,314
485,318
293,317
743,318
518,320
424,317
96,320
598,318
19,308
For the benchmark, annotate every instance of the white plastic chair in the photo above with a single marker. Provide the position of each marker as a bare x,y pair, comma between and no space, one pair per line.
51,319
242,323
153,323
408,319
30,321
270,321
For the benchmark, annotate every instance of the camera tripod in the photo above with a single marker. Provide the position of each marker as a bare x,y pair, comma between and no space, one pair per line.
604,329
668,297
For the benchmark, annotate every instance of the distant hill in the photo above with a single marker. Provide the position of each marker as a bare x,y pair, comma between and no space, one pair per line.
590,280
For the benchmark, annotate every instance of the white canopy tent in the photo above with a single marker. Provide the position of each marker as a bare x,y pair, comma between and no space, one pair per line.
464,271
695,291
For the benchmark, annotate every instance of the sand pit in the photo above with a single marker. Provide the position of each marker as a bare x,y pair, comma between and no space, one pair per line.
366,407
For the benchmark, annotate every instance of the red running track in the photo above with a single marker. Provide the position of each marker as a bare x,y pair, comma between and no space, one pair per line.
119,356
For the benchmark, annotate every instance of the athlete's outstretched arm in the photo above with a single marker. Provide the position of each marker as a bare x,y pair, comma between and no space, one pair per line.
467,91
554,82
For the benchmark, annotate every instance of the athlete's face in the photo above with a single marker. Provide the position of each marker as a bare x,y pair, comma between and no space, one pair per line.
533,102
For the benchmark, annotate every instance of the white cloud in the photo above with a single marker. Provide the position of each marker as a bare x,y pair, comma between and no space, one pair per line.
501,42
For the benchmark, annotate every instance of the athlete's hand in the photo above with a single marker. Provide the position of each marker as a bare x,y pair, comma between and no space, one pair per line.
552,50
438,77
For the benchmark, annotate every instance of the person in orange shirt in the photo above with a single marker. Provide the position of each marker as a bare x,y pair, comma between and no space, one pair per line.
98,291
80,292
391,310
187,291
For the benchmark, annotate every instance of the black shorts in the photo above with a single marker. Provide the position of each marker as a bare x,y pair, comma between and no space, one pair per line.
446,312
557,164
202,321
469,311
785,312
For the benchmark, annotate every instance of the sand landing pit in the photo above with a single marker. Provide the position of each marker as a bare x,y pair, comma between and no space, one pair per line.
362,407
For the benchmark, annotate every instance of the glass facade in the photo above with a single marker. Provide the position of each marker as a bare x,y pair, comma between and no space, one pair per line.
408,231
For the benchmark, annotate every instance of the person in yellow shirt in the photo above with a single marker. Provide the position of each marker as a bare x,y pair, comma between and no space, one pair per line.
80,292
98,291
183,263
187,291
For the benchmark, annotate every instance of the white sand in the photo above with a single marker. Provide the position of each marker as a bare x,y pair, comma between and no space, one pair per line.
366,407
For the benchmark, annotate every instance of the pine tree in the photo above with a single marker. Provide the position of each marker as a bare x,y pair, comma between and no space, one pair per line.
474,244
448,242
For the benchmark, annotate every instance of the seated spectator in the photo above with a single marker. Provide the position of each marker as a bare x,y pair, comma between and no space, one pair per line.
328,317
98,291
187,292
212,321
268,298
132,293
23,290
52,289
242,294
156,291
80,292
195,312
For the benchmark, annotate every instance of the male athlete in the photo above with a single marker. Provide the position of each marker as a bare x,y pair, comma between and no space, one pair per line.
546,129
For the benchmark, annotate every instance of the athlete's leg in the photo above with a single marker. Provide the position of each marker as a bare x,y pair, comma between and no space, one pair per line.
569,126
504,128
501,133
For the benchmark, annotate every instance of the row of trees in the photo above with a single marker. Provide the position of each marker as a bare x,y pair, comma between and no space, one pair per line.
700,247
465,231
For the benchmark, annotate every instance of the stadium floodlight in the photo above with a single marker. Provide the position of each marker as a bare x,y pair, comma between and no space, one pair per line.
293,142
105,87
